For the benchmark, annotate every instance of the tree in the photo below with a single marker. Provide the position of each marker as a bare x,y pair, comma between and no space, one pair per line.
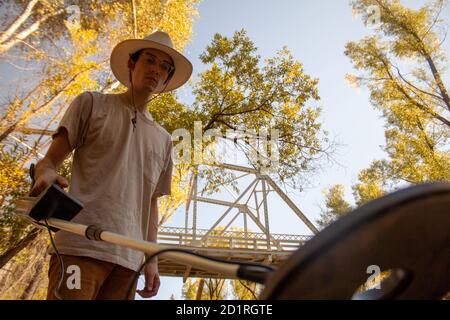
25,275
34,26
238,93
245,290
213,289
81,63
336,206
369,188
34,16
402,67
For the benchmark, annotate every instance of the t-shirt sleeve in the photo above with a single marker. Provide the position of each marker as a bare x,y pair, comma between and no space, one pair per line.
76,120
164,185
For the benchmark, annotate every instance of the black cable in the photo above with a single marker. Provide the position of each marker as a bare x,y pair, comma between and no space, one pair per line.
150,257
134,120
61,263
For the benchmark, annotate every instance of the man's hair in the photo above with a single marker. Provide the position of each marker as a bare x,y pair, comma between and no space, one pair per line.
135,56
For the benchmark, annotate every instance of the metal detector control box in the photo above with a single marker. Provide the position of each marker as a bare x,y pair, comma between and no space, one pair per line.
54,202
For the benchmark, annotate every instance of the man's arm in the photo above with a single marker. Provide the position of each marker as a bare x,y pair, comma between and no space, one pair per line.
154,219
152,281
45,170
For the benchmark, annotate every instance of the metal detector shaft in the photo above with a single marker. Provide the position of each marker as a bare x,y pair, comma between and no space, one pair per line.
252,273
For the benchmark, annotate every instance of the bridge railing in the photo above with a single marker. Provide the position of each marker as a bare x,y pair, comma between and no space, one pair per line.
230,239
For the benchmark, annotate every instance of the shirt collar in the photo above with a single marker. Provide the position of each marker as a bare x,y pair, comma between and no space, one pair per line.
146,113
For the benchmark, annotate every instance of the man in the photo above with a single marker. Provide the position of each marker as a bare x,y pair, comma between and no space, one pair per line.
122,163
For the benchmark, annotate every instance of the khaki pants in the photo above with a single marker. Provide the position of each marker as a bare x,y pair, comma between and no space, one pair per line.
97,280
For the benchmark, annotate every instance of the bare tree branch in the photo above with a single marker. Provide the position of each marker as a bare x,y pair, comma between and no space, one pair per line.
18,22
25,33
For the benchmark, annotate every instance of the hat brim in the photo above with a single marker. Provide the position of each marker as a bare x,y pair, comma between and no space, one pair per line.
121,54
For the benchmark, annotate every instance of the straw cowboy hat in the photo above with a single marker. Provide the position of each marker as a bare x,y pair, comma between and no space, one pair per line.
158,40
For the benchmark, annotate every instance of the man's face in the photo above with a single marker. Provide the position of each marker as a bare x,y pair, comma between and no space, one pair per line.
151,70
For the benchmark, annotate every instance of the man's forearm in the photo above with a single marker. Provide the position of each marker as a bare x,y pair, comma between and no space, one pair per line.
152,234
45,163
58,151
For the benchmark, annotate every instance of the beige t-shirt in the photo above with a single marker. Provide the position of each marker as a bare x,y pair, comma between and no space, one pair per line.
115,173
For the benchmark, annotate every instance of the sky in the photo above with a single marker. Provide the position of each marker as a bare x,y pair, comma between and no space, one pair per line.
316,33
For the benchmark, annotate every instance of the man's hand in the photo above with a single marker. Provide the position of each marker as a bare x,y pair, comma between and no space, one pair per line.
152,281
46,176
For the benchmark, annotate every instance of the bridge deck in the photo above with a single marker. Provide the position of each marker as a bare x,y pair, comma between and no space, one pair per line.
229,245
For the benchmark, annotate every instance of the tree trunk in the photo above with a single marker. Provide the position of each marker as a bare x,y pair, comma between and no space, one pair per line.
23,243
27,32
41,108
438,79
18,22
200,289
23,272
36,277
